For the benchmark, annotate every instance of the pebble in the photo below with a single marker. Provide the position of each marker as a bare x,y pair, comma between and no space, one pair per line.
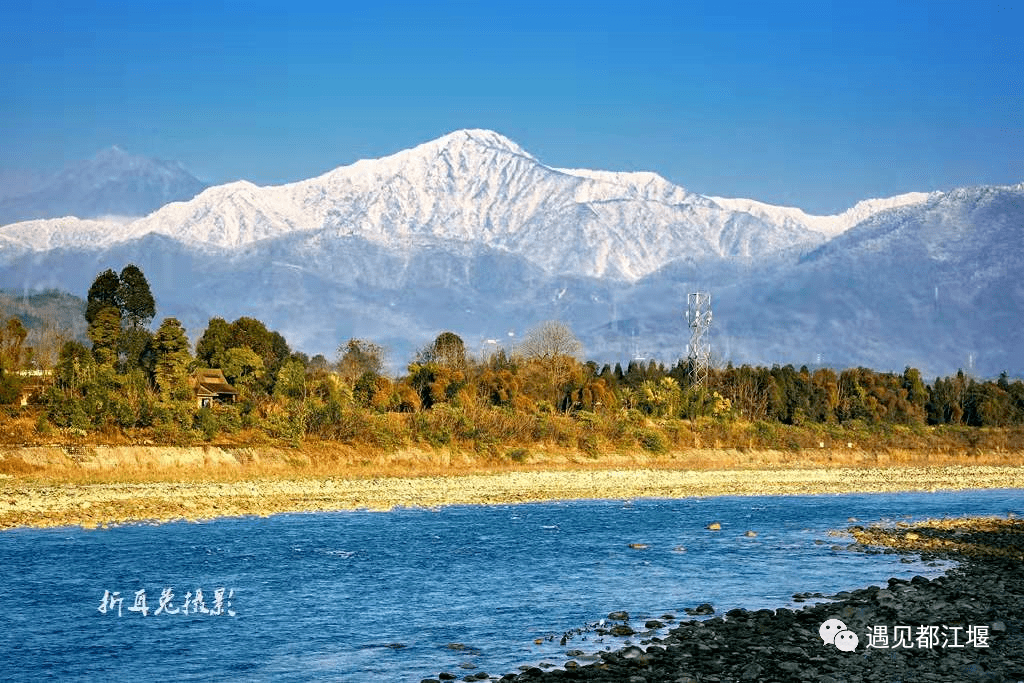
985,589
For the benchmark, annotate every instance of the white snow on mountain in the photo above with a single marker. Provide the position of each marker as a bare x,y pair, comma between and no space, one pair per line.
471,233
56,233
830,226
480,187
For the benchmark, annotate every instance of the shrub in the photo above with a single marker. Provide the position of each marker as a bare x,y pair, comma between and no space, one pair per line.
652,440
206,423
518,454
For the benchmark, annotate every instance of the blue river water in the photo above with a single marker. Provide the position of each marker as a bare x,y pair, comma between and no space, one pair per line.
403,595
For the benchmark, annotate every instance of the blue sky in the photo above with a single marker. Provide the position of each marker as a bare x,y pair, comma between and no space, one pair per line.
811,104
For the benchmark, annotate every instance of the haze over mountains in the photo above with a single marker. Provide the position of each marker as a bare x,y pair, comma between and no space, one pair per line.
112,183
471,233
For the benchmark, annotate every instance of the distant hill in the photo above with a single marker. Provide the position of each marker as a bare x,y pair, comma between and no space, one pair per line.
51,317
112,183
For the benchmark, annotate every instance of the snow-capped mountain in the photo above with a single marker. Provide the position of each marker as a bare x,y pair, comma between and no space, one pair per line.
112,183
480,187
473,234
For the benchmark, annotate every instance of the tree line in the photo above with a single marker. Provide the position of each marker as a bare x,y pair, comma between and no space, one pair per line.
129,377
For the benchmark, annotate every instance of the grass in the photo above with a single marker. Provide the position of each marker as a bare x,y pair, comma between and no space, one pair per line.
454,440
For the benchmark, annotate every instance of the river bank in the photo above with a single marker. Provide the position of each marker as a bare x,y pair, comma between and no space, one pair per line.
964,626
116,486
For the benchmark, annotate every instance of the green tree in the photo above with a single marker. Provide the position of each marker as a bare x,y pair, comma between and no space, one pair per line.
76,366
172,360
291,380
244,368
134,297
12,342
136,350
102,294
214,343
448,350
105,333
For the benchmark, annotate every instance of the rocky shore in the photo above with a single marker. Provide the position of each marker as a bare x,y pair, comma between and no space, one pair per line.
976,609
27,501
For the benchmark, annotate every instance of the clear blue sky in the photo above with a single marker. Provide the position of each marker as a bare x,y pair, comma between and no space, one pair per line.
812,104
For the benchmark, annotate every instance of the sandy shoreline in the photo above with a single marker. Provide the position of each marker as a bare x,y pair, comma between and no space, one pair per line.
28,503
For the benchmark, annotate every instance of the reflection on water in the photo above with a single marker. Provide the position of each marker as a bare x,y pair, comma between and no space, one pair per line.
402,595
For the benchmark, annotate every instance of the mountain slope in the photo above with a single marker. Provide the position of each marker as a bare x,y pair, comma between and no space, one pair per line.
472,234
479,187
830,226
112,183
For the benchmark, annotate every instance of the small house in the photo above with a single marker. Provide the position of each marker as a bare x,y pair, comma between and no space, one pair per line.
209,386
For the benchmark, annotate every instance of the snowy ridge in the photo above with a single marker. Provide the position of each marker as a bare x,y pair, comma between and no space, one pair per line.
57,233
830,226
479,187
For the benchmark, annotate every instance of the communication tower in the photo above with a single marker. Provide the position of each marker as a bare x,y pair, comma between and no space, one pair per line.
698,316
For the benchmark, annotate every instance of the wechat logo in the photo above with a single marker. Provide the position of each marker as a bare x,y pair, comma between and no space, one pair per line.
834,632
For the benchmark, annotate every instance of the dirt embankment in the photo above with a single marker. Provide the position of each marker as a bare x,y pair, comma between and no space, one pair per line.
100,485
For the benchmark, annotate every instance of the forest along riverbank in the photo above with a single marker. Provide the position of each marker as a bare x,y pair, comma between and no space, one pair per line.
33,503
975,611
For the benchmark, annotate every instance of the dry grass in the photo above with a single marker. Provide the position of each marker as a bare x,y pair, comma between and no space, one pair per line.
451,441
101,463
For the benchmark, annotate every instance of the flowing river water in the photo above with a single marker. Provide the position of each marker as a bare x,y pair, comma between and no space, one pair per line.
402,595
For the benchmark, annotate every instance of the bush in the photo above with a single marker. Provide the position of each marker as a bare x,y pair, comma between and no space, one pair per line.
65,411
518,455
206,423
652,440
588,443
43,427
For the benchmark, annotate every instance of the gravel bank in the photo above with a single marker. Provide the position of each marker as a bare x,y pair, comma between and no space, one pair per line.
983,595
25,502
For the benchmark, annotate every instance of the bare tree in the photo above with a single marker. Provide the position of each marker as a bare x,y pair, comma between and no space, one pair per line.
549,340
554,350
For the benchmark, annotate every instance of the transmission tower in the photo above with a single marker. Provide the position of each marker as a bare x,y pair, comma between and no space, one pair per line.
698,315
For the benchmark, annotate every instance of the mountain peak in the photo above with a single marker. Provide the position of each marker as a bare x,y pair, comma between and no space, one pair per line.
113,182
480,137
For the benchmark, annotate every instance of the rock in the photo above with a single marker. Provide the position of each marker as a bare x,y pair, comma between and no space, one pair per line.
621,630
679,549
700,610
445,676
750,534
653,623
714,526
751,671
618,616
638,546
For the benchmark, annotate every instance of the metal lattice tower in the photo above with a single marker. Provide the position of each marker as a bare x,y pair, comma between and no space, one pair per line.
698,316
